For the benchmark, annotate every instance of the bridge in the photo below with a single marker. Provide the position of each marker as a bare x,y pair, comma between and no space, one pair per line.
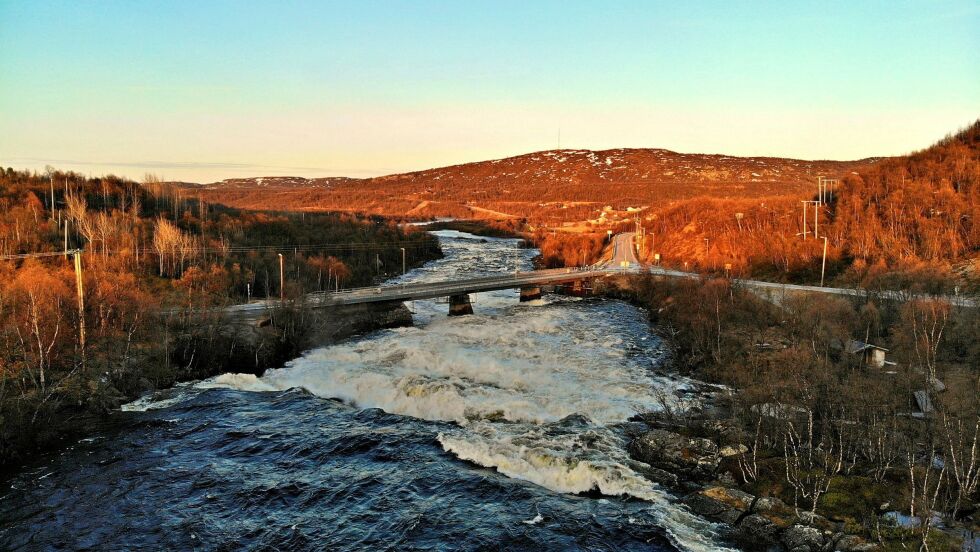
456,290
622,261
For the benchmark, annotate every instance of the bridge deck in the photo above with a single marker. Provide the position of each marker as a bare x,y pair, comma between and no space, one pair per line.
431,290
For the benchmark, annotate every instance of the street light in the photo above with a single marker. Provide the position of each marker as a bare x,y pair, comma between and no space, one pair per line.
403,259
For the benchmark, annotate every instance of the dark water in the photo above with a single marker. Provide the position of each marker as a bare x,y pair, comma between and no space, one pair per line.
498,431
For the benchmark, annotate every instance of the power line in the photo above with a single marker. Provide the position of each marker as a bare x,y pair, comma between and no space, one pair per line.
35,255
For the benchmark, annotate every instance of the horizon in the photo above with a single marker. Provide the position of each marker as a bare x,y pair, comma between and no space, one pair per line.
206,93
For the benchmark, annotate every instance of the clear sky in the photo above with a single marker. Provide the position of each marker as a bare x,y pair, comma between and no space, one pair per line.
205,90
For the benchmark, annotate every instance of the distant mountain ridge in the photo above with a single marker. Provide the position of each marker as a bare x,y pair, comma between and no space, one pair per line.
514,186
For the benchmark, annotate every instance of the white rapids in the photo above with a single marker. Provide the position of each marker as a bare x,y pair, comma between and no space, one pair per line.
533,388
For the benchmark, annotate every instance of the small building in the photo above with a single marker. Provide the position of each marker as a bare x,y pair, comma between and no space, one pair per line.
873,355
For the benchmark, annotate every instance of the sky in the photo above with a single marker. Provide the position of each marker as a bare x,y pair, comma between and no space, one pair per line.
205,90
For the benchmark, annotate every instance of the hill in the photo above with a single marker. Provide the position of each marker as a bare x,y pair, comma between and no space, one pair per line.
911,214
548,187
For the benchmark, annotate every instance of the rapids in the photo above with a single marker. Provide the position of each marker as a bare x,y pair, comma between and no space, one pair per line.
497,430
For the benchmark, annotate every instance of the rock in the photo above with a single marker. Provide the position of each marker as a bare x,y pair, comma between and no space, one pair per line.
689,457
722,504
756,532
771,504
727,479
802,538
732,498
808,518
704,505
725,452
658,475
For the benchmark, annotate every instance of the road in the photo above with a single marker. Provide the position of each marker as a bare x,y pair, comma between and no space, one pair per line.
623,251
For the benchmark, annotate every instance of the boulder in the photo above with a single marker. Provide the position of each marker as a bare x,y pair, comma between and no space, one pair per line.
802,538
725,452
733,498
704,505
755,532
720,504
771,504
689,457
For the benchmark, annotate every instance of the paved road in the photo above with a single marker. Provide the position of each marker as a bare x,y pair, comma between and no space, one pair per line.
624,251
777,287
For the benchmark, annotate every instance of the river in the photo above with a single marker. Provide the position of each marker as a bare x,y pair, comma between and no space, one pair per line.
500,430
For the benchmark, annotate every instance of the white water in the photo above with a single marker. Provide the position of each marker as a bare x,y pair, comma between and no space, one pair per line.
511,376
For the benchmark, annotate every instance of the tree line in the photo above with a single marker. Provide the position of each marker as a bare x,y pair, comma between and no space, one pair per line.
914,214
153,255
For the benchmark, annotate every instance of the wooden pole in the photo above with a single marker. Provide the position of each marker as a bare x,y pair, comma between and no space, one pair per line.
804,220
81,302
816,219
823,267
282,280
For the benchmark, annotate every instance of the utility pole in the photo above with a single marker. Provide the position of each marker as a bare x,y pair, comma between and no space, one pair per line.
805,202
816,219
282,280
823,267
66,238
81,303
403,260
51,182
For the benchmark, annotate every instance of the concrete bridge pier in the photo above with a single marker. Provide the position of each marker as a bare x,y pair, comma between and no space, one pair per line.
460,305
577,289
530,293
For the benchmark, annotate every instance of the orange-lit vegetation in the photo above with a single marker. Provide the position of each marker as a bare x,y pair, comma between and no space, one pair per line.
887,218
916,213
151,254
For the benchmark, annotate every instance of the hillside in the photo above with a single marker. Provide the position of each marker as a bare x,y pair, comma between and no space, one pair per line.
914,214
889,216
552,187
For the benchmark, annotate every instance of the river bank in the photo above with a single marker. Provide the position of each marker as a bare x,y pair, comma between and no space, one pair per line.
196,348
782,452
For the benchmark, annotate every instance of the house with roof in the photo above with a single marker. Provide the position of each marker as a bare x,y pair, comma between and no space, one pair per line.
872,355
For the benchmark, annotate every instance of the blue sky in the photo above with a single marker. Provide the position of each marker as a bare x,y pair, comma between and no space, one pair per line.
209,90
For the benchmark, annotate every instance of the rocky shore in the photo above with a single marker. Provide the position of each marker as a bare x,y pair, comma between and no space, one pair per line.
695,457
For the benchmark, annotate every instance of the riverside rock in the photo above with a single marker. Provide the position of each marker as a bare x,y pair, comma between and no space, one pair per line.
690,457
756,532
801,538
